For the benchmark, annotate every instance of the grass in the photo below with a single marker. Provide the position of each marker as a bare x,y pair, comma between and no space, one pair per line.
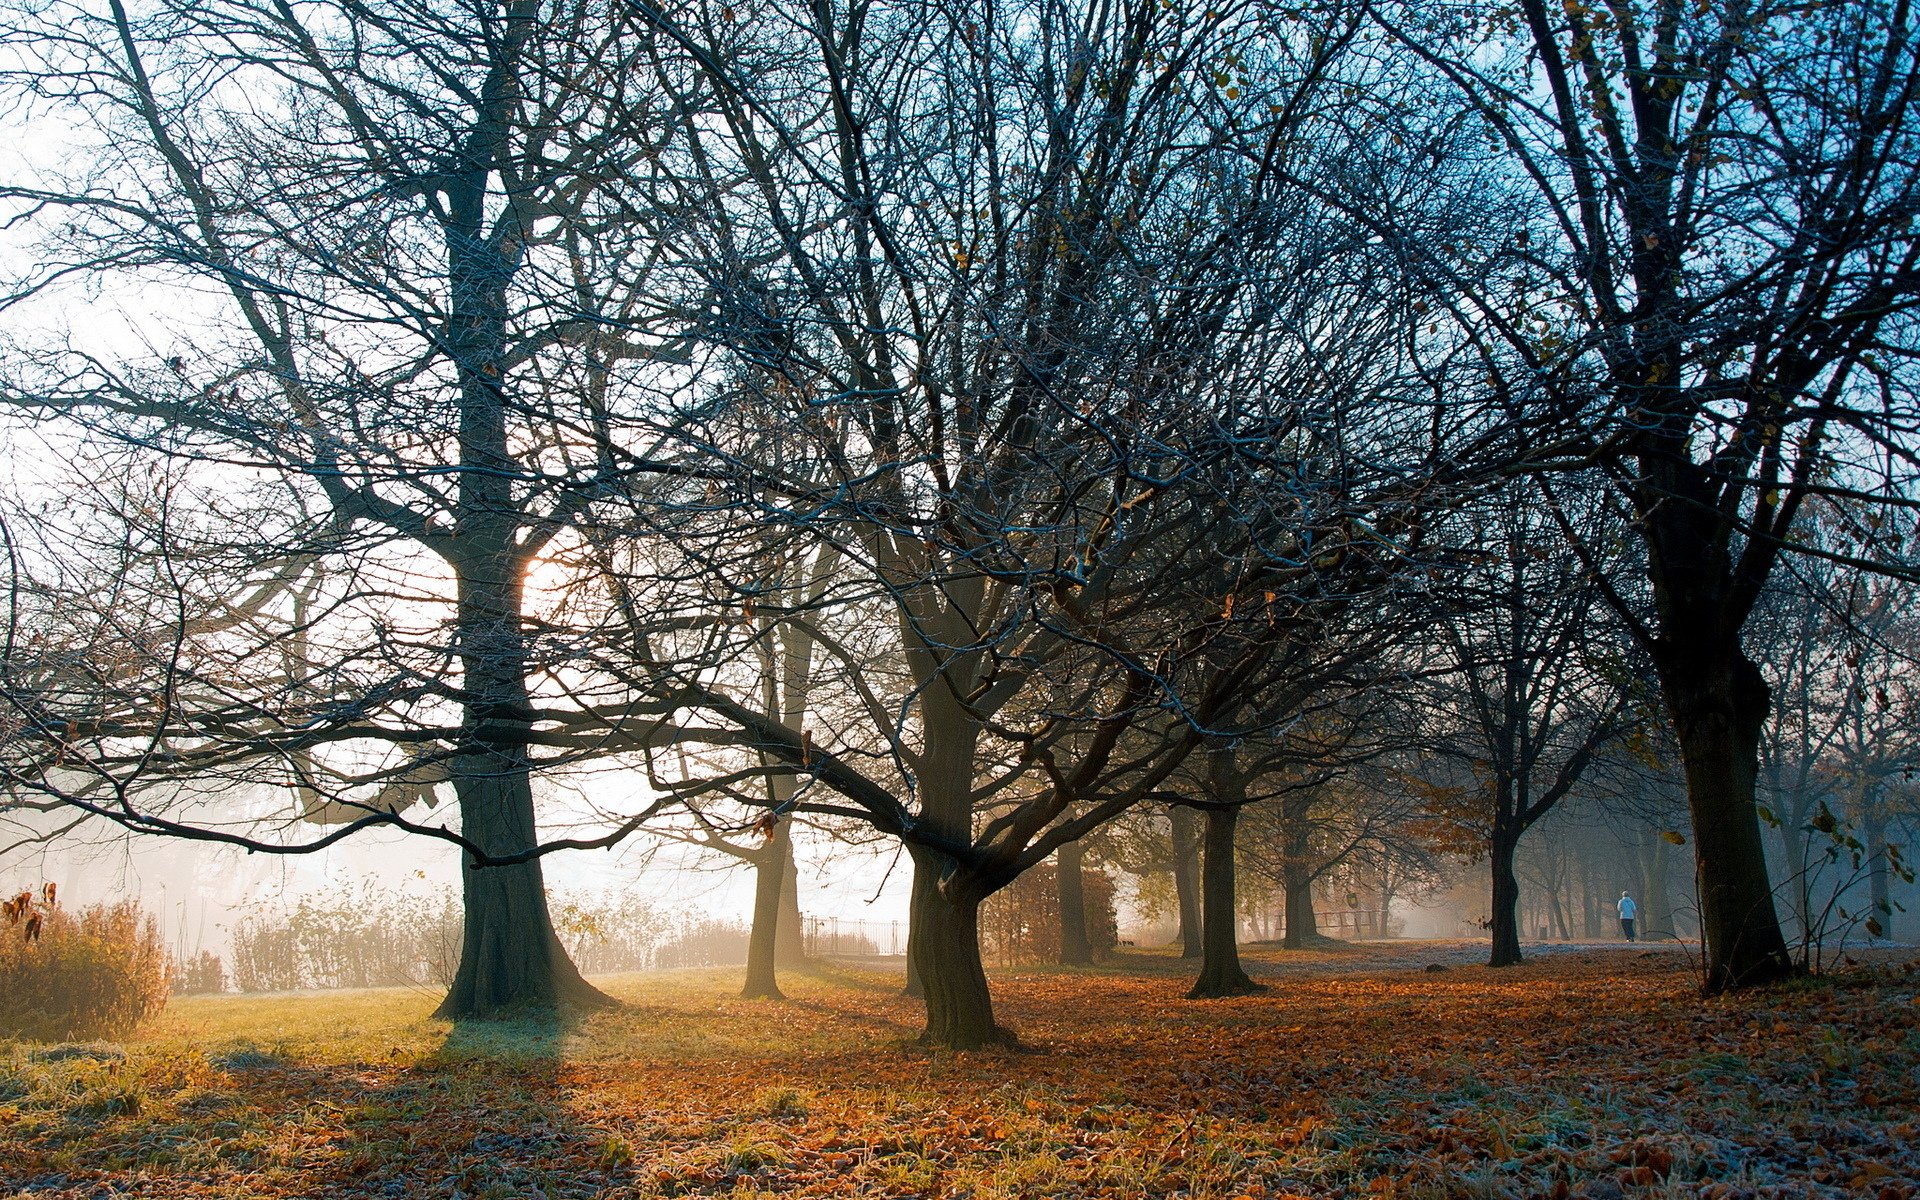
1361,1073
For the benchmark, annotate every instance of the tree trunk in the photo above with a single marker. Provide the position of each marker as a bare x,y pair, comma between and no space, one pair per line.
1220,970
769,879
1657,901
1076,949
1719,704
944,946
1506,900
789,938
1873,832
1296,873
1186,878
511,961
1303,928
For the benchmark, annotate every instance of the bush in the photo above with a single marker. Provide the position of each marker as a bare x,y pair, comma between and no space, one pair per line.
199,975
71,977
348,938
708,943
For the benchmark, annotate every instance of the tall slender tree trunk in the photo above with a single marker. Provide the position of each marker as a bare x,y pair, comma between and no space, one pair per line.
1076,949
945,948
1506,898
1873,833
789,939
1656,904
1186,878
1220,970
1296,874
1719,704
769,879
510,958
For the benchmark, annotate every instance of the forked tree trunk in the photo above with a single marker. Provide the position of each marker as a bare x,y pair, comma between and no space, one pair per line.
1186,878
1505,916
1220,970
769,876
1076,949
1719,704
511,961
945,947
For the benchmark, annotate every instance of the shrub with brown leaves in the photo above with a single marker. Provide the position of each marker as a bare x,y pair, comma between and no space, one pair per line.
70,976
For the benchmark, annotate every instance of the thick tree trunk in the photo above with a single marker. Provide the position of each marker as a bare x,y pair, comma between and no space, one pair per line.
1220,970
1719,704
1506,900
769,876
1303,927
1186,878
945,949
511,961
1076,949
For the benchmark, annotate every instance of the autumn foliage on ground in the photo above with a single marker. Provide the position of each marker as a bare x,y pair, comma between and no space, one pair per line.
1595,1073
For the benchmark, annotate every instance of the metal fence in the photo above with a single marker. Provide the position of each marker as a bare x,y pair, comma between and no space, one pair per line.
840,937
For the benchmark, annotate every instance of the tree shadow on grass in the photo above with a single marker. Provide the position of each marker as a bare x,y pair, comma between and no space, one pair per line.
485,1114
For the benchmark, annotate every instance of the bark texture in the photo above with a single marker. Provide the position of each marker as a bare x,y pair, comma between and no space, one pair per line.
1505,917
1719,704
945,949
1076,948
769,880
1220,971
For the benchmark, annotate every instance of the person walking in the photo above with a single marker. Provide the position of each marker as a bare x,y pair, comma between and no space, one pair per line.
1628,909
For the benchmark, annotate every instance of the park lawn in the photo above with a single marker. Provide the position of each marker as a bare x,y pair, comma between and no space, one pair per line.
1595,1072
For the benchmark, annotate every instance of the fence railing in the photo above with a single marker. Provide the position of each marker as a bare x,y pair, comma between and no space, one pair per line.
841,937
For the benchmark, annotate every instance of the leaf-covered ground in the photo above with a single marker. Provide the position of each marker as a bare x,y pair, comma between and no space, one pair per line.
1590,1072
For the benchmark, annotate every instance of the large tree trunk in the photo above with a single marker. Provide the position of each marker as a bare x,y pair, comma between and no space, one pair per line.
1303,927
1186,878
1220,970
1076,949
945,949
511,961
1506,900
1719,704
769,878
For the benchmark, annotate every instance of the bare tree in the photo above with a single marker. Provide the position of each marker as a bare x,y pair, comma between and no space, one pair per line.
405,330
1706,291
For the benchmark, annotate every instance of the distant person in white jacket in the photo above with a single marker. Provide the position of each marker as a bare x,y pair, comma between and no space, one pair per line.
1627,911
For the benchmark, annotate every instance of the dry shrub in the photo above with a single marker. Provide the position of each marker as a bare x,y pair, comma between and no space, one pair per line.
200,975
93,974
